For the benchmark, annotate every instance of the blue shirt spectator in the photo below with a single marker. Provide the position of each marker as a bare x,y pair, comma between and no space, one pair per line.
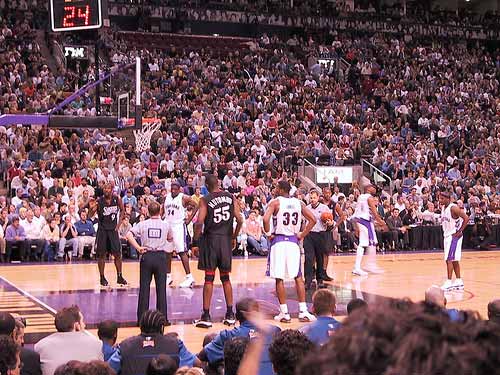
130,198
15,231
324,306
85,228
319,332
213,352
108,350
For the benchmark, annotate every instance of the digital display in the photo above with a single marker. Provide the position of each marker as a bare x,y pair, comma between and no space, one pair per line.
68,15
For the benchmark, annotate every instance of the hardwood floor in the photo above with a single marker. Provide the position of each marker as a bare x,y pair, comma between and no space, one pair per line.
37,291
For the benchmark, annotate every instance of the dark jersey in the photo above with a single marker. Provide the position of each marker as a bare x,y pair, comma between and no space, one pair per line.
108,213
220,214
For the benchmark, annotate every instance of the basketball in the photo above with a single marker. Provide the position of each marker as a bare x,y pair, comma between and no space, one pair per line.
326,216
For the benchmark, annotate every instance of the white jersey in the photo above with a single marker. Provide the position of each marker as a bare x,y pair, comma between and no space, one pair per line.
175,213
317,211
153,234
362,208
450,225
288,220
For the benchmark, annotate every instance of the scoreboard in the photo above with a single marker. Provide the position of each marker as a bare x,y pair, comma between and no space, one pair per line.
72,15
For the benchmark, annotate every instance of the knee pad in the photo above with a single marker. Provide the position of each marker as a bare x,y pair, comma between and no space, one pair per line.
209,277
224,277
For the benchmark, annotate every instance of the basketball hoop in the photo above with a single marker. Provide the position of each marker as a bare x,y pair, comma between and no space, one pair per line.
143,135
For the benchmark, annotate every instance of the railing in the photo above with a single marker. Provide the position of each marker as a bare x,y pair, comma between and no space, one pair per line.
59,55
377,175
308,169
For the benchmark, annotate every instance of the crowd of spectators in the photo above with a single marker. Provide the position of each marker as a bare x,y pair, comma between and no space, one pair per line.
394,336
322,16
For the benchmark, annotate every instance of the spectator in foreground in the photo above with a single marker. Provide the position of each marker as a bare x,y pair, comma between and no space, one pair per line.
355,304
107,331
411,339
287,350
10,362
494,311
162,365
213,352
133,354
234,350
324,306
435,295
29,358
81,368
189,371
14,328
70,342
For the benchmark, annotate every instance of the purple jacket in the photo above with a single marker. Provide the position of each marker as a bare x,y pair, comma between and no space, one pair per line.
11,232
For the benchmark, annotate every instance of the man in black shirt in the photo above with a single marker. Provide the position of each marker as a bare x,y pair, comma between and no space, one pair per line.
216,214
110,213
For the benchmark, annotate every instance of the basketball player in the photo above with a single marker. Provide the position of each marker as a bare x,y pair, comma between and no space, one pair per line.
366,214
284,253
154,234
339,216
316,242
454,221
216,215
110,213
174,211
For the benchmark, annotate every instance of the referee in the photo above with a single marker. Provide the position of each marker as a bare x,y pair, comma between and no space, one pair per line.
154,234
316,243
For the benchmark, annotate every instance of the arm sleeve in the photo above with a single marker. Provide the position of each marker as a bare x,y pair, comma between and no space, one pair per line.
136,229
78,226
115,362
215,349
186,358
8,234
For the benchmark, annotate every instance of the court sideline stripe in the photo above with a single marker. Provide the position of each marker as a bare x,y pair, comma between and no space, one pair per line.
29,295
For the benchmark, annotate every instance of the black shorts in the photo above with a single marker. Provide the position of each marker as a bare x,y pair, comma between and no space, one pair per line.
320,242
108,241
215,252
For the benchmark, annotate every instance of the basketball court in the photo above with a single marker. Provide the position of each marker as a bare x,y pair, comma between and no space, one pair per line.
37,291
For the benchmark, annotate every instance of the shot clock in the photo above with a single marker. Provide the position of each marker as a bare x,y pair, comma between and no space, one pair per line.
71,15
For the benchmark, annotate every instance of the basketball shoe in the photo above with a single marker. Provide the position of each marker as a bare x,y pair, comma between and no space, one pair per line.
458,284
447,286
283,318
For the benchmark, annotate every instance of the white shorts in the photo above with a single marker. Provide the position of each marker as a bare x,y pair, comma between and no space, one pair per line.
367,234
179,239
453,248
283,260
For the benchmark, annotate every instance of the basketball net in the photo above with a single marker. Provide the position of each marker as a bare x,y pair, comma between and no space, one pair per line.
143,135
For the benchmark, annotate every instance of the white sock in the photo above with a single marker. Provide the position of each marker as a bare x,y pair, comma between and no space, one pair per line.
359,255
302,307
371,252
284,308
188,276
